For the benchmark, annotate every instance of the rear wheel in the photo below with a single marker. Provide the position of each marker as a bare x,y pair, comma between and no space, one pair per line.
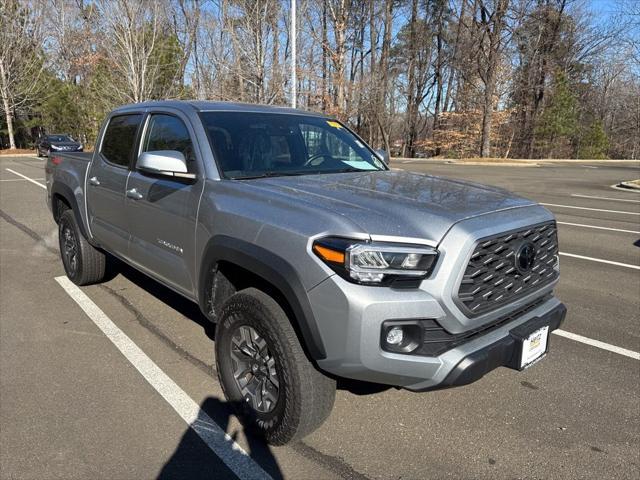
83,263
264,372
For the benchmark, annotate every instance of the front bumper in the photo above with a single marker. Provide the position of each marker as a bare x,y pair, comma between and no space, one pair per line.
350,318
503,353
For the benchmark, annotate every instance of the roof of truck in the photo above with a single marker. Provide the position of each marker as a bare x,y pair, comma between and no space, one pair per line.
207,106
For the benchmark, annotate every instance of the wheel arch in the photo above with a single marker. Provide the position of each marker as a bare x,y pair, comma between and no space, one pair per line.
272,273
61,195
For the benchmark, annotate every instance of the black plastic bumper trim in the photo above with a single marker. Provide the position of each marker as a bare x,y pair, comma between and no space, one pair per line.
503,353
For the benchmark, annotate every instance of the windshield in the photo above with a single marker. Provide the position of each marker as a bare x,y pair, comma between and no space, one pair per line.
59,138
253,145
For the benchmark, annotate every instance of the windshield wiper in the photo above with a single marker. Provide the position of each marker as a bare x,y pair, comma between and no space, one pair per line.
352,169
301,172
271,174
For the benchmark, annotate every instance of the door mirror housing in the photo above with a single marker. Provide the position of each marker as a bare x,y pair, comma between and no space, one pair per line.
165,163
383,155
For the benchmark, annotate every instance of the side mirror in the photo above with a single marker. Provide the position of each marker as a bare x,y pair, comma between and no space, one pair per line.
383,155
166,163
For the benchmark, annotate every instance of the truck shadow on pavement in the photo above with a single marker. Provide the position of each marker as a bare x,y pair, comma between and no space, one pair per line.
191,311
193,460
167,296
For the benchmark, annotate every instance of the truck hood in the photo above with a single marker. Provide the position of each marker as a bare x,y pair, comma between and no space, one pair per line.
394,202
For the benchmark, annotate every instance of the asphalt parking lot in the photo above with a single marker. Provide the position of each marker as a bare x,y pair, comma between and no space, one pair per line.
73,406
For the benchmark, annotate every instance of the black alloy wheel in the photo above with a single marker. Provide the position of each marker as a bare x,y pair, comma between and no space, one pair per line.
255,372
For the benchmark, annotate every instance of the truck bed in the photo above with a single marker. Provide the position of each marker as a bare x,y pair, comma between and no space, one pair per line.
82,156
68,169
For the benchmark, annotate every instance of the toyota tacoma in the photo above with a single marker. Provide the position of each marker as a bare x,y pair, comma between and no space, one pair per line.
315,259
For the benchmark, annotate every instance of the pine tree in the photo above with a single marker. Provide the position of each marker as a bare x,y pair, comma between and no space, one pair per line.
558,123
594,143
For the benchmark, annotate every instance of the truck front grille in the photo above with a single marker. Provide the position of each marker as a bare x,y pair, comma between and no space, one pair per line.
503,269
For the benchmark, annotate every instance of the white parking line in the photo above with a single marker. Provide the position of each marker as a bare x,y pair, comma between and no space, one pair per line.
598,344
592,209
600,260
232,454
599,228
18,179
26,178
605,198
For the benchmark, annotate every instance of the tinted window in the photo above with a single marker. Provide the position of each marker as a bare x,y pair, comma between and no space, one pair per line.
166,132
248,145
119,139
59,138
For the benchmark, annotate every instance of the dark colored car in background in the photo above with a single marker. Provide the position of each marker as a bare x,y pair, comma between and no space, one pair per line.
57,143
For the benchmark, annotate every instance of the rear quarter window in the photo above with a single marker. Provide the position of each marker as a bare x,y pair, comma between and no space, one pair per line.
120,138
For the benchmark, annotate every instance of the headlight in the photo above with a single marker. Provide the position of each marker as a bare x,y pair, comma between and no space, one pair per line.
54,147
80,147
376,263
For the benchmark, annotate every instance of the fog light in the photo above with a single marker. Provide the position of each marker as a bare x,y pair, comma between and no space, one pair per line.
395,336
401,336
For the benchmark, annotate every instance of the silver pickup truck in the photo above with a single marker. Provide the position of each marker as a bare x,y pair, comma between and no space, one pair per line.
314,258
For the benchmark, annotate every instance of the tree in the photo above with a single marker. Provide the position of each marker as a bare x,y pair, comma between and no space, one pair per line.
413,57
339,15
459,77
559,120
491,24
136,28
62,109
21,62
594,143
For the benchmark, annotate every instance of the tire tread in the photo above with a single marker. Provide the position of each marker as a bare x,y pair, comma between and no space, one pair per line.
310,392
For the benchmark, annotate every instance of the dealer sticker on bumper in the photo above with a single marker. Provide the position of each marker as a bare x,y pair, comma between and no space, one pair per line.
534,346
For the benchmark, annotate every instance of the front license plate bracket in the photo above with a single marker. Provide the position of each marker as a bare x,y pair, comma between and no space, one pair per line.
531,343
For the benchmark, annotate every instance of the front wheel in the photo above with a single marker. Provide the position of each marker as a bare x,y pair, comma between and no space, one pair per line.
264,372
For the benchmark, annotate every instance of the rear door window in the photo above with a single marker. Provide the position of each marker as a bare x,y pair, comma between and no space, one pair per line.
120,138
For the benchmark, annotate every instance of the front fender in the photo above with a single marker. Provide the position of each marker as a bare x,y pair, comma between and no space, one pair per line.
273,269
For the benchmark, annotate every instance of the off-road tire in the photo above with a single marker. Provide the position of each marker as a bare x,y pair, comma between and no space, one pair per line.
305,397
90,263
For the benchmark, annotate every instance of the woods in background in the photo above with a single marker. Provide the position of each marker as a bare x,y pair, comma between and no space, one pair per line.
455,78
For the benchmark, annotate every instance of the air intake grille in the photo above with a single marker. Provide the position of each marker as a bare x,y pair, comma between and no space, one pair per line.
502,268
436,340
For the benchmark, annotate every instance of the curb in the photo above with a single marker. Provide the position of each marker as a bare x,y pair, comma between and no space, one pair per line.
555,160
626,187
498,164
9,155
513,161
457,162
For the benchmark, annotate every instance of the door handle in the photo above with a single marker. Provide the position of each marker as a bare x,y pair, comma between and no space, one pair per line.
134,194
94,181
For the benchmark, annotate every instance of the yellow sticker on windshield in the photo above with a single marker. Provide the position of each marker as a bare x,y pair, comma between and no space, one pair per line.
334,124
